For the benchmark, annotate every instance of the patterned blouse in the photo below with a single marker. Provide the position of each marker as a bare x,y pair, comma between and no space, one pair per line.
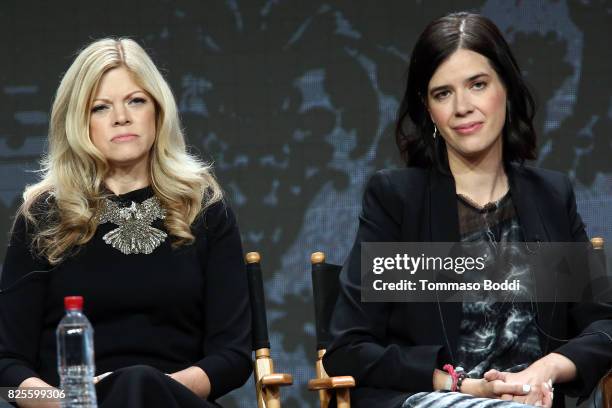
496,335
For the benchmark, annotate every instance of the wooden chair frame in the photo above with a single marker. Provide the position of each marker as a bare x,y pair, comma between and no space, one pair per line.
328,386
606,382
267,381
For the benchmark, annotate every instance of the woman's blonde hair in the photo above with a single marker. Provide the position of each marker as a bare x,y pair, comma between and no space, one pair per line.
74,169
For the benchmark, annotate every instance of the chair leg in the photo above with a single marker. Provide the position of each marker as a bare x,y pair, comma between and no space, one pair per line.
271,396
324,395
343,398
267,397
324,398
606,391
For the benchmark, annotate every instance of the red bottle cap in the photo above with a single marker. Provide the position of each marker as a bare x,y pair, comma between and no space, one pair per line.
73,302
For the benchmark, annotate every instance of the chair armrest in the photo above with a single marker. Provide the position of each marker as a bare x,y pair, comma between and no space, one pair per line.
331,383
276,379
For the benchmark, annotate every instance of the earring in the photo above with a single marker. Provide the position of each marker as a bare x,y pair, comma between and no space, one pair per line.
435,131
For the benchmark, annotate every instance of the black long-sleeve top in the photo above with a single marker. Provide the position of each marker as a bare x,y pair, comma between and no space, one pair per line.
170,309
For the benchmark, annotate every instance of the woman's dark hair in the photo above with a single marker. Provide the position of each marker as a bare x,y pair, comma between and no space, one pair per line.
439,40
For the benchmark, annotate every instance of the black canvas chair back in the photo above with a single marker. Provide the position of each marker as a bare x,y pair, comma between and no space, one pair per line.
325,293
259,319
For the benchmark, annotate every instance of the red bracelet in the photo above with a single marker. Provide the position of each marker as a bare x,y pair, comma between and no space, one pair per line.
451,370
457,374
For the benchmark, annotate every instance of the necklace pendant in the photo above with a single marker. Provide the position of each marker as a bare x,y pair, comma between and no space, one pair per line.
134,234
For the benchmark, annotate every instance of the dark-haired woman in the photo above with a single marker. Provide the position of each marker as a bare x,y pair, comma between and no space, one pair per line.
465,130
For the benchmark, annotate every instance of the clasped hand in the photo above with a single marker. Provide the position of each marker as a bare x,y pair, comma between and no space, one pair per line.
539,391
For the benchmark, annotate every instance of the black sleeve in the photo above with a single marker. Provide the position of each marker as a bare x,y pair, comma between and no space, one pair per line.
360,347
21,307
227,342
590,350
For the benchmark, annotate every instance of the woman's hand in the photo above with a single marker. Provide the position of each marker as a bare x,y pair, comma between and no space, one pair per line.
195,379
100,377
34,382
541,392
493,389
541,375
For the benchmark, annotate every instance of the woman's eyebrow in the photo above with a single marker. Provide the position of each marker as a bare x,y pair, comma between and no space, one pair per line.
104,99
475,77
470,79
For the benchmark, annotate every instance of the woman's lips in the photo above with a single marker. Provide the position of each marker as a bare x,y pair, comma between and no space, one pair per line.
124,138
468,129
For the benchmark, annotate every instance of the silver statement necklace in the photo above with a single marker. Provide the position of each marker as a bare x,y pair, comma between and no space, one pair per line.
135,234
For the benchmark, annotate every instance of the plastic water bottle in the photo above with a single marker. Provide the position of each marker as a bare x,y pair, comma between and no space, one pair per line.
75,356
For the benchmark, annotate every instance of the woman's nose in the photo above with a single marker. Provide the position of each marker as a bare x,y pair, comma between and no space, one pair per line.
121,117
463,104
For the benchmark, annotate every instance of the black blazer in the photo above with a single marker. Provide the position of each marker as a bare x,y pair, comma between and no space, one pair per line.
392,348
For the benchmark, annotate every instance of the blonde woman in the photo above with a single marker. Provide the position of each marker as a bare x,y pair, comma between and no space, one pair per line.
125,217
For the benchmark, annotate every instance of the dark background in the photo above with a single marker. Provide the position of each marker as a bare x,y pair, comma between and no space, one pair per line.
294,102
